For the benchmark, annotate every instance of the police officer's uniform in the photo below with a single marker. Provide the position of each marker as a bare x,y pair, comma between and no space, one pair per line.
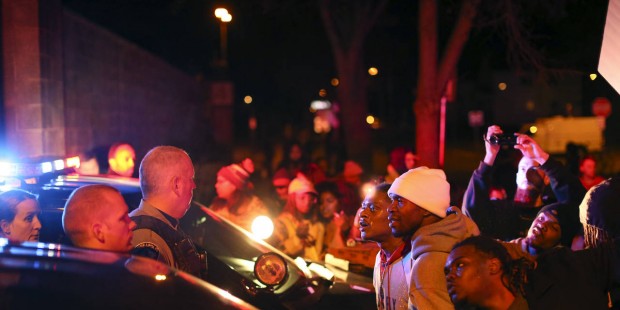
158,236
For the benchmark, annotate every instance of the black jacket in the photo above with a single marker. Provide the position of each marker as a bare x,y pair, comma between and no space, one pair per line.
564,279
505,220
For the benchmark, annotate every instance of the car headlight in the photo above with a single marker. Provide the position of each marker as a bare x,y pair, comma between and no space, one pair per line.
270,269
262,227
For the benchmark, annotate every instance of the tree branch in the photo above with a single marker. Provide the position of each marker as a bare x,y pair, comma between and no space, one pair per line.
519,49
457,41
330,28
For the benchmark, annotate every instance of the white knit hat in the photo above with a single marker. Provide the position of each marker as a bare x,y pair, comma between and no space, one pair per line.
426,188
301,184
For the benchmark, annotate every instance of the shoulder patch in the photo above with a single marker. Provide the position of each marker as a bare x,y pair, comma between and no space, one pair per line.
147,249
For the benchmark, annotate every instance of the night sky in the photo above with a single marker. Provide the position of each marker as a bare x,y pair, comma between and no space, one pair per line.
279,53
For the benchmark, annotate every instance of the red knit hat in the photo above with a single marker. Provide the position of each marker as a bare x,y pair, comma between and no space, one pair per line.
238,174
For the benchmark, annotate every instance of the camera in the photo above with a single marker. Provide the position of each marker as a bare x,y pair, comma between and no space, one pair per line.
509,140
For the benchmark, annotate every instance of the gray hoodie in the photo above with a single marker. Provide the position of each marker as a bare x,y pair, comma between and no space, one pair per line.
430,246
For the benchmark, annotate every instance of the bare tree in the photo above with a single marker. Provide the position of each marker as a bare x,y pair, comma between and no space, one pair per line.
347,24
433,75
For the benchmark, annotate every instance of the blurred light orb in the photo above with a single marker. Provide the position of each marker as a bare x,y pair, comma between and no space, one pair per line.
368,189
317,105
252,123
262,227
530,105
219,12
370,119
335,82
533,129
247,99
593,76
502,86
322,92
373,71
226,18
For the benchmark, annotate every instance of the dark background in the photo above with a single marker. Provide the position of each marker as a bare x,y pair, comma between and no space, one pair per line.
279,54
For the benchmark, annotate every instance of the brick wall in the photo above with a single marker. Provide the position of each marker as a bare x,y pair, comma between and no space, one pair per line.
33,86
115,91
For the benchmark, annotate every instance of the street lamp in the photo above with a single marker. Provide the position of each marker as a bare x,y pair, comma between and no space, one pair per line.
225,18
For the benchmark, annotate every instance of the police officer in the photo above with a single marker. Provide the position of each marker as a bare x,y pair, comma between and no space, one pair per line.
167,184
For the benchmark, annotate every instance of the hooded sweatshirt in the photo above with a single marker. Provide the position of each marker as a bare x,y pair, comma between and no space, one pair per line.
430,247
391,278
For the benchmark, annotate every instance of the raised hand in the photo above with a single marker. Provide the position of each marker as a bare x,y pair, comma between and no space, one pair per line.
529,148
491,149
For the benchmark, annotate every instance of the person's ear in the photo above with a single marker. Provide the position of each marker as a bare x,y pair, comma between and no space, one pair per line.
98,233
175,184
494,266
6,227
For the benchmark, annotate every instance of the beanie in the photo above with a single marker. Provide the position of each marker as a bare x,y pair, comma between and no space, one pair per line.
351,168
301,184
567,218
281,178
237,174
599,211
426,188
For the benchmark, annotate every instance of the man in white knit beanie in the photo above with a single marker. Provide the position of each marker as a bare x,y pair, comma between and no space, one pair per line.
421,209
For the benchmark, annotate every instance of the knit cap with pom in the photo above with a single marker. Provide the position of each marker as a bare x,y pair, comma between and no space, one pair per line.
238,174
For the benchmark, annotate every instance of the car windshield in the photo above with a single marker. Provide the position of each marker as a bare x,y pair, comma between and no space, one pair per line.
235,246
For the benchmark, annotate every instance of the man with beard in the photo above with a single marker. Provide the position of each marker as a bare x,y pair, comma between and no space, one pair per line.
421,209
560,278
545,233
510,219
390,276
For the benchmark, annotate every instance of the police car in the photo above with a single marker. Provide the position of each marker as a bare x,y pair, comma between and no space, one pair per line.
37,275
238,262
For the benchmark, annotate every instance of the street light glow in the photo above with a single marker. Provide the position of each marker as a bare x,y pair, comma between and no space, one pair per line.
226,18
219,12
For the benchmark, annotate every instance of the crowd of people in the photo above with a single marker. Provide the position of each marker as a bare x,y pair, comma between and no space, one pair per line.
554,245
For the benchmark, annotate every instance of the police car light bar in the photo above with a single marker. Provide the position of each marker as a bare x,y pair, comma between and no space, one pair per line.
32,169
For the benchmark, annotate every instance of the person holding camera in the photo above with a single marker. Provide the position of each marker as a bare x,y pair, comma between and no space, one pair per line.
511,219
